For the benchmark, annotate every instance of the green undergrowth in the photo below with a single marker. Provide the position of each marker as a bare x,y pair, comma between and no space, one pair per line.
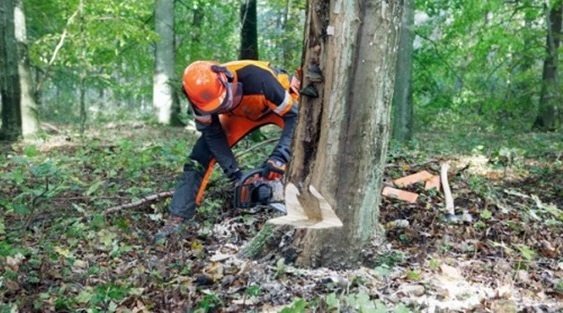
59,252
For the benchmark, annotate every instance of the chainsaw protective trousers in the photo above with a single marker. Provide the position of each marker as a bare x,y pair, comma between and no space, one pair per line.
184,200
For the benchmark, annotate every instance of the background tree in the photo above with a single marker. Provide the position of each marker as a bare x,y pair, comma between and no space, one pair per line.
164,97
281,31
341,139
402,95
550,100
9,76
30,122
249,32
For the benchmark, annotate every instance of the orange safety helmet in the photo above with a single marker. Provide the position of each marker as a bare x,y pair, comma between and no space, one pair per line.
206,89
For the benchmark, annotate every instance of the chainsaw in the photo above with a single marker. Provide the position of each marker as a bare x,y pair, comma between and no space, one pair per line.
255,190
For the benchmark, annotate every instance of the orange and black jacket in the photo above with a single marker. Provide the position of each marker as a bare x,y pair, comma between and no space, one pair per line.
262,94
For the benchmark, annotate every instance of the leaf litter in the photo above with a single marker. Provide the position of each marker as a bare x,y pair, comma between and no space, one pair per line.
506,259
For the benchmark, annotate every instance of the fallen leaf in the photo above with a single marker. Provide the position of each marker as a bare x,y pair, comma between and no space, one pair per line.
450,272
14,262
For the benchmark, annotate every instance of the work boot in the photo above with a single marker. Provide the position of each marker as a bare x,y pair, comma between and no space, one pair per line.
174,225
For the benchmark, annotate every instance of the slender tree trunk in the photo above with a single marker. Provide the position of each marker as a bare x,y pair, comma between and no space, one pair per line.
286,52
402,96
197,21
550,106
249,32
341,138
30,122
163,91
9,75
82,96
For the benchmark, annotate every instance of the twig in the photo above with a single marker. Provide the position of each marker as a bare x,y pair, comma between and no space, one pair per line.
446,187
57,48
134,204
256,146
412,165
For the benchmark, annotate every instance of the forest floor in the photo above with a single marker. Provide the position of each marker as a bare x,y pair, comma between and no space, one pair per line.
59,252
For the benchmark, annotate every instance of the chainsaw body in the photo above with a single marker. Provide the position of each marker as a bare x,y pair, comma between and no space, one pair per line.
255,190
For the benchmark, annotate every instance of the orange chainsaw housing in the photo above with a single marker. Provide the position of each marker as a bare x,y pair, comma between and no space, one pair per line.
235,128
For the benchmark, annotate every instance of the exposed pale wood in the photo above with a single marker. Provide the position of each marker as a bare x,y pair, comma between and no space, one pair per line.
412,179
433,182
138,203
400,194
310,210
446,187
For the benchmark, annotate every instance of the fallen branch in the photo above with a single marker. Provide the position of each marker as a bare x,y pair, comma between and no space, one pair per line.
446,187
138,203
50,127
258,145
57,49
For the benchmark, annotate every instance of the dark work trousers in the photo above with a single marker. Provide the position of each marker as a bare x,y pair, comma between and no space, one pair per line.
183,202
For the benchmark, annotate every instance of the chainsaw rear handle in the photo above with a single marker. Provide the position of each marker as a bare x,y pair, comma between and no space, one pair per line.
247,194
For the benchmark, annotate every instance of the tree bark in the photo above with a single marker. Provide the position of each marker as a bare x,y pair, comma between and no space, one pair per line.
9,75
548,118
164,99
249,33
341,139
30,122
402,97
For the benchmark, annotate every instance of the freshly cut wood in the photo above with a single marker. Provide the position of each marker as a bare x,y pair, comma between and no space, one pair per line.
400,194
138,203
412,179
433,182
307,210
446,187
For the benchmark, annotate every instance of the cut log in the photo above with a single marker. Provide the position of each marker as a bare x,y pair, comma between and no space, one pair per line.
138,203
412,179
400,194
433,182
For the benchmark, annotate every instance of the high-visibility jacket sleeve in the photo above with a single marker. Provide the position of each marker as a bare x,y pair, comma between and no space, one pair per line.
216,140
282,151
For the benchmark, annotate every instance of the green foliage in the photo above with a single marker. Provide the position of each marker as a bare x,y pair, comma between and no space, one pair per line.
253,290
209,303
526,252
477,63
414,275
559,286
298,306
486,214
106,48
354,302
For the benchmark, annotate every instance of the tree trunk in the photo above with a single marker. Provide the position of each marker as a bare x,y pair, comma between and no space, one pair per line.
548,118
163,91
402,96
9,76
249,33
82,102
30,123
342,135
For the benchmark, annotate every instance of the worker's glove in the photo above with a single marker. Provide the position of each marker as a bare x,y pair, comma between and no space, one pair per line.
273,169
236,177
